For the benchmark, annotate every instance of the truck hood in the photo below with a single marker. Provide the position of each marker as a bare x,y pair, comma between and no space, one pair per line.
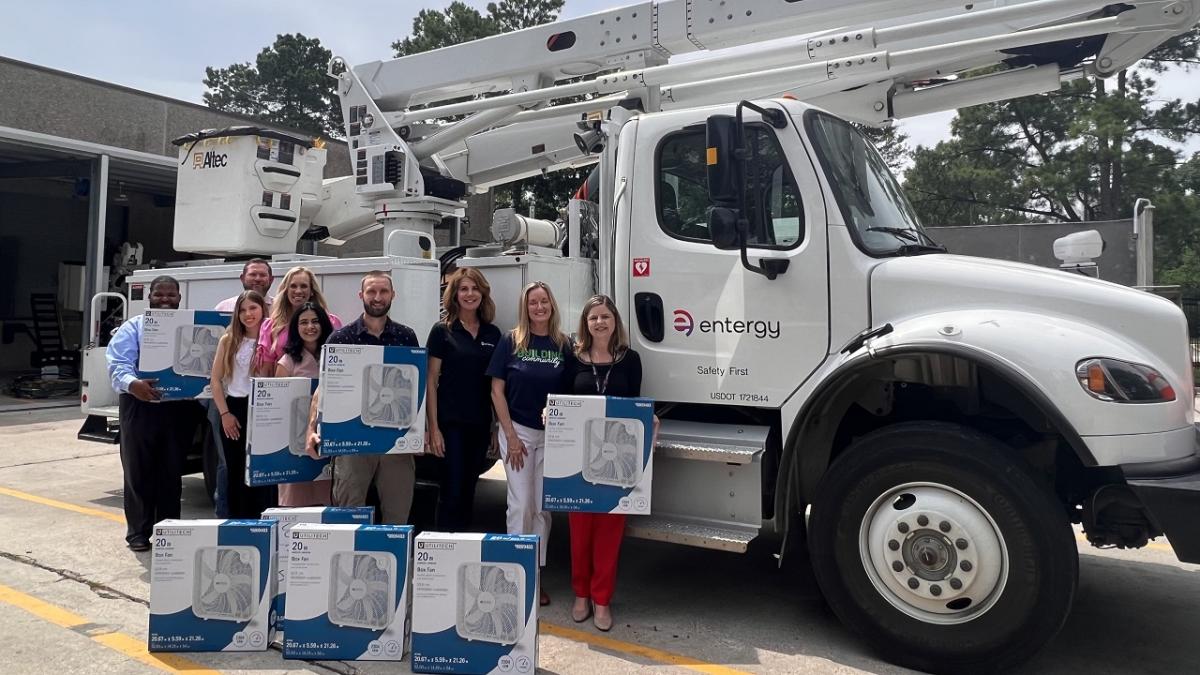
927,284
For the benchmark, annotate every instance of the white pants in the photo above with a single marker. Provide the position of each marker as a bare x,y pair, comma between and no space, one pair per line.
525,514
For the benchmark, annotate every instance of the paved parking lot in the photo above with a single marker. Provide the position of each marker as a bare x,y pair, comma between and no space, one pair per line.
73,598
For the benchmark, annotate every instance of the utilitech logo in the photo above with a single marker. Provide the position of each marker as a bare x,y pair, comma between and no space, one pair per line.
763,330
209,160
436,545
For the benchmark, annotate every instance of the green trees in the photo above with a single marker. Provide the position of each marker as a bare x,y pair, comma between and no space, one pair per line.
1083,153
459,22
286,85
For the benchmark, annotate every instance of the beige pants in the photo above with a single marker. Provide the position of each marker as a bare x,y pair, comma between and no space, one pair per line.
525,514
393,475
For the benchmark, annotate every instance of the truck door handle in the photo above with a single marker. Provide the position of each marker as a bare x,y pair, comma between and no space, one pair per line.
649,310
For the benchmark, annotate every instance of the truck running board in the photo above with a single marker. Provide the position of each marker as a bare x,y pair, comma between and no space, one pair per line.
707,488
691,533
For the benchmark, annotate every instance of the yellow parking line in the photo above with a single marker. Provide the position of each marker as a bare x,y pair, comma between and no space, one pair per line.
636,650
44,501
119,642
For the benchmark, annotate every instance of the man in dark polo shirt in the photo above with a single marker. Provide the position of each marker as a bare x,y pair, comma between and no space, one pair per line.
392,475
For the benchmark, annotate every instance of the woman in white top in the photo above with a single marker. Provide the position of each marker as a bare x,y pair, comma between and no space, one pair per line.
236,361
309,329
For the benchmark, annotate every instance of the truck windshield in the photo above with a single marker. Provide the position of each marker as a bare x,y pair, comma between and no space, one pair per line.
880,219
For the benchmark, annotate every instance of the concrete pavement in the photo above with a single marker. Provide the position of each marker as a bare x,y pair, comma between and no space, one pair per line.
73,598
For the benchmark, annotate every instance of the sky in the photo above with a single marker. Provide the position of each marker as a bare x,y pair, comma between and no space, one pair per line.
163,46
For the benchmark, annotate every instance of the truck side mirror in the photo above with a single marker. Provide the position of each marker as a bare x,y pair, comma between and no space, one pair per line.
723,228
723,167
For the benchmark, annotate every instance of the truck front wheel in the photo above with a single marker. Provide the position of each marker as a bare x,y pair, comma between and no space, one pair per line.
938,546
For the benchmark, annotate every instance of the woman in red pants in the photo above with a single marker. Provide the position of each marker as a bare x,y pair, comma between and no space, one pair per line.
602,364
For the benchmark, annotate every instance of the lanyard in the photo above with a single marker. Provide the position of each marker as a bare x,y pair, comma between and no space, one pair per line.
602,385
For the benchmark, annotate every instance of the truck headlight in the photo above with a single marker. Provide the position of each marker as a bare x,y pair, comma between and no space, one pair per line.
1123,382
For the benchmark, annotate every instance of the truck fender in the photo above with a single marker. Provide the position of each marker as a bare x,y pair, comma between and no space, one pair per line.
809,444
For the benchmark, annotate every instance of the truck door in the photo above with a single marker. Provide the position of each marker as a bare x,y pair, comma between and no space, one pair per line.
708,329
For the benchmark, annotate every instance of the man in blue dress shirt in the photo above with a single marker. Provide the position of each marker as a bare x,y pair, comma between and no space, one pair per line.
154,435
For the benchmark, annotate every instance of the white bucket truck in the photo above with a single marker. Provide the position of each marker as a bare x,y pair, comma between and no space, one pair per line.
931,425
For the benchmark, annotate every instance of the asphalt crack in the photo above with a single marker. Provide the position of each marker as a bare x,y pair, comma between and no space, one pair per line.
103,590
60,459
109,593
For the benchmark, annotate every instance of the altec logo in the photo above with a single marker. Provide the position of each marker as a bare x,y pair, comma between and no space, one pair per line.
763,330
209,160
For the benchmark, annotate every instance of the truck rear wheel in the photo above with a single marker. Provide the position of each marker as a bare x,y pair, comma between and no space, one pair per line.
935,544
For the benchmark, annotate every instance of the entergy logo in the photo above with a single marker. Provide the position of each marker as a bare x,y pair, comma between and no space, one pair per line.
684,322
763,330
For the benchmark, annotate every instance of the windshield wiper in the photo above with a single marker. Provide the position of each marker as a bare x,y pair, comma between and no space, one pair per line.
912,235
909,249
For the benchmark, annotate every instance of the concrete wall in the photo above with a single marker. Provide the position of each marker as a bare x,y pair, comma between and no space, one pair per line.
60,104
1033,243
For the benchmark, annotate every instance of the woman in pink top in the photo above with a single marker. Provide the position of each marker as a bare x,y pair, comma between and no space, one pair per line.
309,329
298,287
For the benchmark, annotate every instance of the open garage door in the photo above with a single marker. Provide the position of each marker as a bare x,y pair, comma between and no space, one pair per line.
67,207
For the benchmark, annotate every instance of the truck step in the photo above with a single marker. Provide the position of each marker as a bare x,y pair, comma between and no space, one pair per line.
97,428
723,537
729,444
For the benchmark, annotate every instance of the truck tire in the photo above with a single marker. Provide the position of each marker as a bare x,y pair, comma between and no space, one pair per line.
937,545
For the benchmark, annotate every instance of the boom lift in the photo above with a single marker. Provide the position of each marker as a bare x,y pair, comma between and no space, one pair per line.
931,424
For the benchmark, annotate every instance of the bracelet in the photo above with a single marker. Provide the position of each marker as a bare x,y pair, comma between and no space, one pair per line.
226,413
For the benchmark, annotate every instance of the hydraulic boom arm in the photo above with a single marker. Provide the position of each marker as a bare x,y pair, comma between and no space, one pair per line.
409,124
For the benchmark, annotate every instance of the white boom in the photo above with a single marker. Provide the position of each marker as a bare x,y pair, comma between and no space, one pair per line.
907,61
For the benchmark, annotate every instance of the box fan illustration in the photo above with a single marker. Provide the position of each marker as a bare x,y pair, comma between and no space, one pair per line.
362,592
195,349
298,426
613,455
389,395
225,583
491,602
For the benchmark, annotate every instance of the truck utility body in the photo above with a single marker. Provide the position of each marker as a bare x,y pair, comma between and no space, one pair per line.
929,424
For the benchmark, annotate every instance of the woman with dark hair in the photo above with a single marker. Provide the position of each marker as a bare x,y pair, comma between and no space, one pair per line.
237,360
308,330
458,404
602,364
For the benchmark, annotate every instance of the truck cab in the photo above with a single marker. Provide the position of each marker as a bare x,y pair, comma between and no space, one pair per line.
824,366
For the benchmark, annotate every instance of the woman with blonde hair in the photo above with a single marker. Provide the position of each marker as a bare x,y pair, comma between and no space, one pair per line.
459,404
299,286
602,364
238,359
528,365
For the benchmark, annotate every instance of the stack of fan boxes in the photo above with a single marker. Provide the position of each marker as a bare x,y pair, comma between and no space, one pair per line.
277,430
475,603
599,455
372,400
212,585
348,592
290,517
178,348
